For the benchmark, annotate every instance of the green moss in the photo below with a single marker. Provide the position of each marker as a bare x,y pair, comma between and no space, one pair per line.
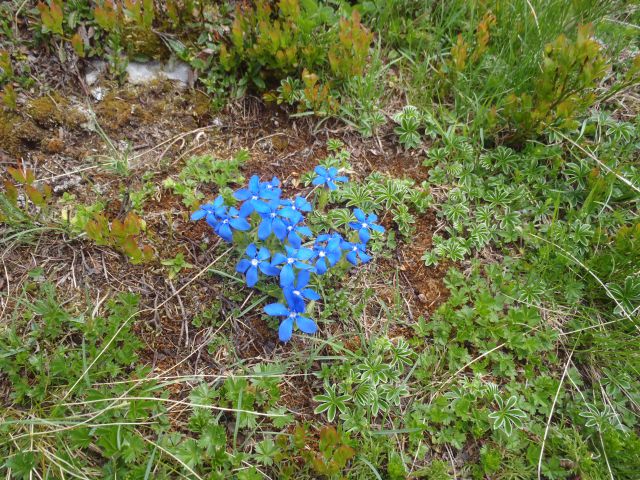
145,44
48,110
113,112
16,132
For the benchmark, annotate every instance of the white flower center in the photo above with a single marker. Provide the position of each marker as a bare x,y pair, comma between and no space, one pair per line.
364,225
254,262
354,249
293,315
273,215
225,221
293,207
290,260
289,228
296,292
254,197
321,254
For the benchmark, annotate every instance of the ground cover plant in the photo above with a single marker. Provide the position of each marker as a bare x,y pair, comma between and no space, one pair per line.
367,239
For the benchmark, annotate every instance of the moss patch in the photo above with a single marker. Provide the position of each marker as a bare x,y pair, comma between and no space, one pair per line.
47,111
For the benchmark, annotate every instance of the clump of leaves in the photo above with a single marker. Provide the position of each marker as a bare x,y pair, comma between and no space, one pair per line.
409,122
14,207
309,95
272,42
125,235
564,87
333,451
206,169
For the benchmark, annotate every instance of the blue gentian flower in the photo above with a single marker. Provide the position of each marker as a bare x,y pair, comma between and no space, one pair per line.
295,257
249,196
209,210
296,293
270,190
328,177
327,249
355,251
228,221
365,224
293,316
271,221
297,206
294,231
257,260
222,219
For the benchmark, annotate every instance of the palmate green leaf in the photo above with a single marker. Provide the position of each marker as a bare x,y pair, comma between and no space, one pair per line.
508,416
203,395
626,295
213,438
331,402
363,394
266,450
189,452
22,464
374,369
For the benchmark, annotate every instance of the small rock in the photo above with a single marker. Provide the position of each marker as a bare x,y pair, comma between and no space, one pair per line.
145,72
422,297
94,71
67,183
98,93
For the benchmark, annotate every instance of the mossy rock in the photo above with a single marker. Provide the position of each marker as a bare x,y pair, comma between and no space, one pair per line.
144,44
47,111
16,133
113,112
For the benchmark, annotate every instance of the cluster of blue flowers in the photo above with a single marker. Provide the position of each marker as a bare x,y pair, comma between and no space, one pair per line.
263,215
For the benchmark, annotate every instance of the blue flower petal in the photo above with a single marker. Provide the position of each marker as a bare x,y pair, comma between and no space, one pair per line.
290,297
243,265
278,258
279,229
198,214
261,207
310,294
264,230
294,239
242,194
268,269
364,235
285,330
246,208
302,280
225,232
321,266
252,276
305,253
286,275
303,230
320,170
263,253
363,256
276,310
306,325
